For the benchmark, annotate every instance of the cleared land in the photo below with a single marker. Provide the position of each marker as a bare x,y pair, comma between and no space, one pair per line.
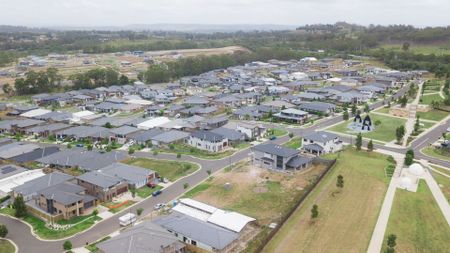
171,170
6,247
346,217
418,222
385,131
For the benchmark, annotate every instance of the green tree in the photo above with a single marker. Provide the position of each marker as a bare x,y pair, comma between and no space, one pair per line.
208,172
67,245
139,211
7,89
291,134
157,74
123,80
185,185
405,46
90,147
345,115
391,240
366,108
108,125
131,151
409,157
340,181
314,211
95,212
358,142
370,146
354,108
20,209
3,230
417,125
400,133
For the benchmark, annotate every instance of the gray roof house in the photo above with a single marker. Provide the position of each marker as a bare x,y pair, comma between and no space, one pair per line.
317,107
208,141
276,157
292,115
170,137
321,143
233,136
30,188
133,175
142,137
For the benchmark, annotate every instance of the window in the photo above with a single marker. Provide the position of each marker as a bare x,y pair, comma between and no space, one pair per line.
193,242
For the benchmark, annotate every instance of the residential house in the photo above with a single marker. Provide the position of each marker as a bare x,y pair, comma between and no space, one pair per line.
207,140
293,115
321,142
275,157
234,137
251,131
318,108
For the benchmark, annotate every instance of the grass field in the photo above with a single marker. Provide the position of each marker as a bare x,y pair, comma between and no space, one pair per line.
346,217
434,152
436,115
443,182
6,247
294,143
418,222
383,132
421,49
146,191
171,170
427,99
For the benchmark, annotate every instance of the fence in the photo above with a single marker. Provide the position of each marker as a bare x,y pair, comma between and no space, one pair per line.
272,233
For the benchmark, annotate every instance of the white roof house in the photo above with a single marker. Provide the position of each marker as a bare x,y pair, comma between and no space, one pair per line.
229,220
8,183
35,113
153,122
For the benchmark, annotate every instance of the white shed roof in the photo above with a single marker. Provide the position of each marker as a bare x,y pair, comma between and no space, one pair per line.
35,113
230,220
151,123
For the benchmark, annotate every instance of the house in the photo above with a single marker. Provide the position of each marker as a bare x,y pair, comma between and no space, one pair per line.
234,137
136,177
169,137
12,176
310,96
144,136
251,131
94,133
45,131
145,237
205,228
102,186
65,199
30,189
122,134
153,122
18,126
35,154
321,142
207,140
275,157
293,115
318,108
11,150
211,123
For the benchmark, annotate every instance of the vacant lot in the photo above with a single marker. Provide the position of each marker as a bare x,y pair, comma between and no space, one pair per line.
385,131
171,170
439,49
346,217
417,222
253,191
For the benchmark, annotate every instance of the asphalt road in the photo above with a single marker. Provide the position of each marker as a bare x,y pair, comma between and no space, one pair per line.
21,234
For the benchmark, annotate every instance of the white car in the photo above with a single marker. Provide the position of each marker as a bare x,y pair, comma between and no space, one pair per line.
159,206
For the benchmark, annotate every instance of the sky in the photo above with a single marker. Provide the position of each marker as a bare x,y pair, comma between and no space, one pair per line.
38,13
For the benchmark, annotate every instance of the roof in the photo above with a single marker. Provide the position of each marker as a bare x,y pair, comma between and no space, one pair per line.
43,182
10,170
317,106
15,149
100,179
298,161
35,154
146,237
48,127
85,131
198,230
171,136
129,173
153,122
275,149
124,130
143,136
230,134
65,193
320,136
207,136
35,112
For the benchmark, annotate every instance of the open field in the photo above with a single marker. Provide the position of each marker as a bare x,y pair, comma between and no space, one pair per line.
418,222
443,182
436,115
346,217
434,152
6,246
253,191
442,49
428,99
171,170
383,132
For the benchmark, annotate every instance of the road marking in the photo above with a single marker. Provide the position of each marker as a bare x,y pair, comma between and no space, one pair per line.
418,145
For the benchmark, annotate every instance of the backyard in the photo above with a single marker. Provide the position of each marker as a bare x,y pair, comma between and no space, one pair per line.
417,222
172,170
347,216
385,131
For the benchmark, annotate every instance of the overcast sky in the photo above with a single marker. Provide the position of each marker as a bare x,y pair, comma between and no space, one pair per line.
288,12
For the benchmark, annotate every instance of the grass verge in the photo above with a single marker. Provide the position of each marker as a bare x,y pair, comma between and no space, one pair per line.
171,170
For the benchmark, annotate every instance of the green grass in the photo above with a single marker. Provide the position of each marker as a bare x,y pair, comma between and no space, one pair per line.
75,219
46,233
93,247
435,152
146,191
427,99
384,110
188,150
436,115
277,132
346,217
294,143
383,132
196,190
418,222
171,170
443,182
6,247
242,145
420,49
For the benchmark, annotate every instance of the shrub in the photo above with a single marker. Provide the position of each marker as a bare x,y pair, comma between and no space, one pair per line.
67,245
3,230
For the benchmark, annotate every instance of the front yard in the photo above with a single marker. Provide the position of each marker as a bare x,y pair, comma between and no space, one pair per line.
146,191
418,222
115,207
171,170
346,217
385,131
184,149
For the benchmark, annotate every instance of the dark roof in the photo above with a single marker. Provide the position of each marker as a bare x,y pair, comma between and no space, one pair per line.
275,149
298,161
207,136
36,154
100,179
143,136
41,183
230,134
65,193
320,136
10,170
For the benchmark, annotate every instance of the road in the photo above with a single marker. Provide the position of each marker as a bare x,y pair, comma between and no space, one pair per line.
21,235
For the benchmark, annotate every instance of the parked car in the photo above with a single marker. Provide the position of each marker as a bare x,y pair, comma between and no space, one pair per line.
151,184
272,138
159,206
156,193
79,145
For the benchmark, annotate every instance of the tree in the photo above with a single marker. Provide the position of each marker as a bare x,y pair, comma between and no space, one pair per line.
370,146
90,147
391,240
409,157
208,172
3,230
314,211
67,245
132,191
20,209
108,125
366,108
185,185
123,79
139,211
340,181
69,146
291,134
403,101
358,142
345,115
417,125
400,133
354,109
95,212
405,46
131,151
7,89
178,155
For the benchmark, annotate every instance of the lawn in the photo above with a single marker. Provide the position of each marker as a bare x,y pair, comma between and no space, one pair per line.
184,149
6,247
146,191
294,143
383,132
347,217
277,132
420,49
436,152
418,222
443,182
384,110
427,99
171,170
46,233
93,247
436,115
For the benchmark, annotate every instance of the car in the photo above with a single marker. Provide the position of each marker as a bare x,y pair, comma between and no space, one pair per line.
79,145
151,185
272,138
165,180
156,193
159,206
